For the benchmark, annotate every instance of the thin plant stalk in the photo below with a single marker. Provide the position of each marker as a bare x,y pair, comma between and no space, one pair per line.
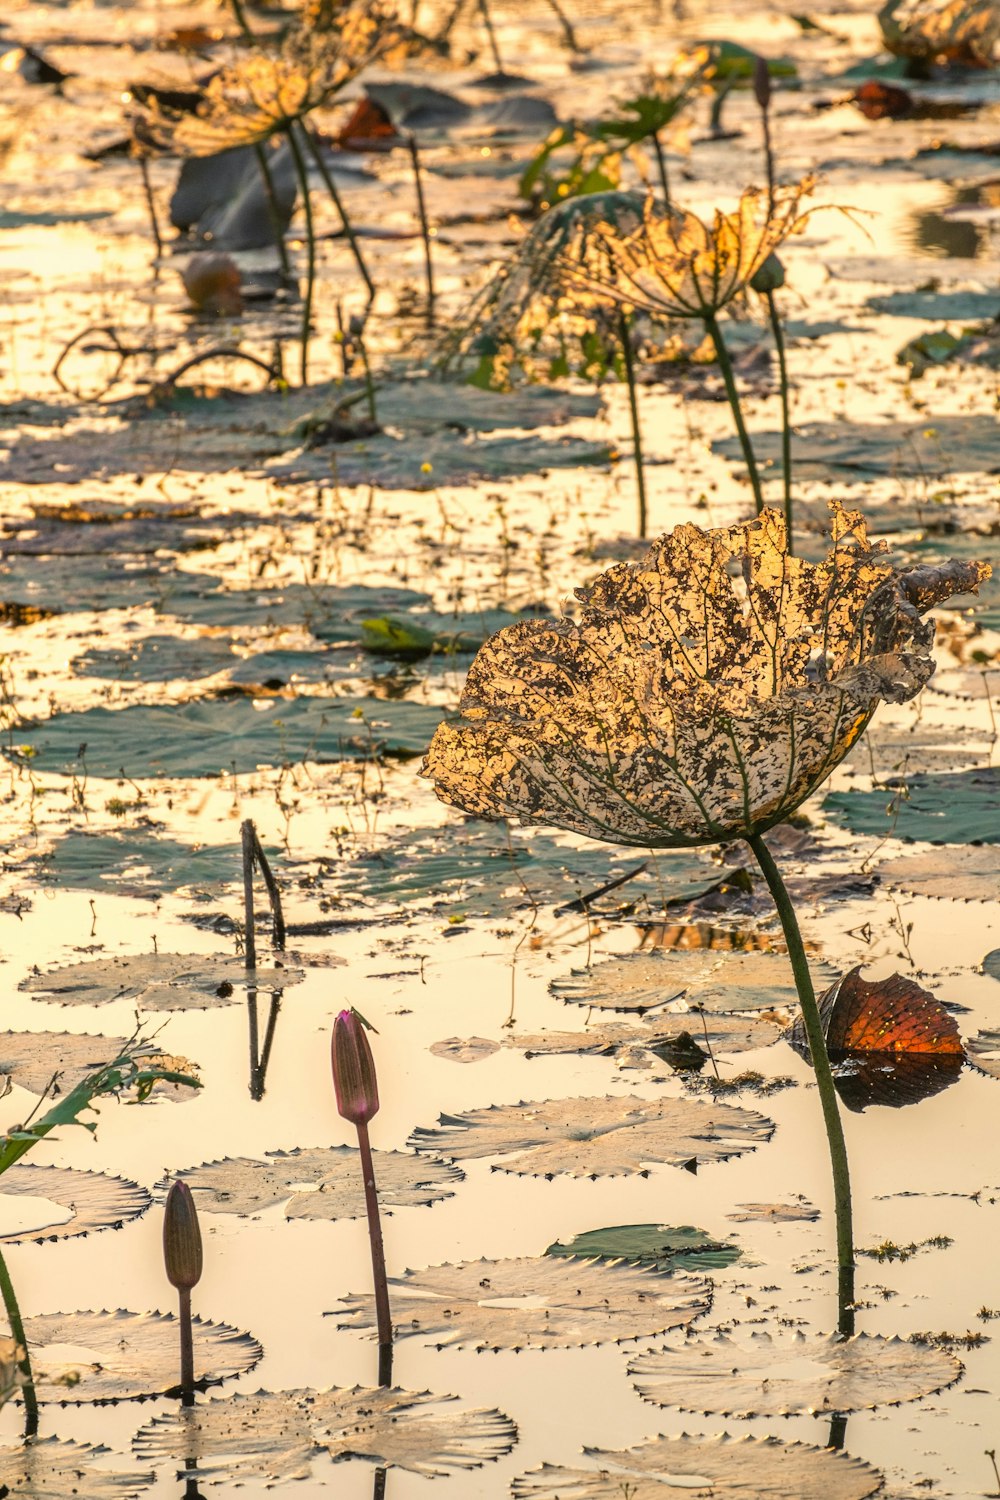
369,381
569,35
729,380
624,333
786,422
378,1488
484,11
424,227
241,20
249,934
154,222
824,1081
303,177
187,1345
383,1317
24,1364
661,162
273,211
338,203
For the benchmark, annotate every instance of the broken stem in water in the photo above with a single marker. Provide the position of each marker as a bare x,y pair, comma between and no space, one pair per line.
147,188
625,335
729,380
247,836
824,1081
273,211
24,1364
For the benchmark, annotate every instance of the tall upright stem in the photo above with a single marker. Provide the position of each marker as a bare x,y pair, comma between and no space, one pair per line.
484,10
424,227
24,1365
729,380
303,177
331,186
661,162
624,334
147,188
824,1081
273,211
249,925
786,421
187,1346
383,1317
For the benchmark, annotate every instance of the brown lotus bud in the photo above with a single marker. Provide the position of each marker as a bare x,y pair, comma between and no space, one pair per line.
181,1238
762,82
353,1069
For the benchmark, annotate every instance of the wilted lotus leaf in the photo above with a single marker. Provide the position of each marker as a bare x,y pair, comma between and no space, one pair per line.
774,1213
602,1137
662,1246
32,1058
616,1038
532,1303
51,1469
638,982
96,1200
273,1436
976,877
984,1052
790,1374
956,807
892,1015
324,1182
964,31
748,1468
157,981
124,1356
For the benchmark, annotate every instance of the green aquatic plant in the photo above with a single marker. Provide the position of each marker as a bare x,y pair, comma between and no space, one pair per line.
704,693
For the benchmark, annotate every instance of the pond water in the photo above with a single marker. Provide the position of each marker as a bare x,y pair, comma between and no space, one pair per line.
184,586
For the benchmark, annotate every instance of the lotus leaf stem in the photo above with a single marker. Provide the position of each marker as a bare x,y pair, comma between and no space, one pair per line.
338,203
729,380
249,936
624,333
303,177
661,162
154,222
824,1080
424,227
24,1364
273,211
786,424
187,1345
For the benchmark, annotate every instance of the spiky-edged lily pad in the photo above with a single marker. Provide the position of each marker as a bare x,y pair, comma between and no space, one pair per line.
96,1200
983,1051
614,1038
745,1468
157,981
644,981
323,1182
976,877
664,1247
123,1356
51,1469
795,1373
32,1058
273,1435
532,1302
958,807
599,1137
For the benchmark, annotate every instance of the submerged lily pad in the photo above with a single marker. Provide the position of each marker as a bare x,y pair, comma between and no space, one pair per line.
32,1058
975,877
602,1137
940,445
273,1435
959,807
50,1469
332,612
663,1247
532,1303
136,862
157,981
323,1182
212,737
96,1200
123,1356
747,1468
638,982
157,658
786,1375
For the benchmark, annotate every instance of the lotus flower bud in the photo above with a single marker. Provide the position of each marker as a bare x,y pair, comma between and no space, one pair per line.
769,277
762,82
181,1238
353,1069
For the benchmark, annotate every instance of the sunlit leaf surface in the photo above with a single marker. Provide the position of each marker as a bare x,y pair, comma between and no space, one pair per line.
618,1038
640,982
532,1303
158,981
96,1200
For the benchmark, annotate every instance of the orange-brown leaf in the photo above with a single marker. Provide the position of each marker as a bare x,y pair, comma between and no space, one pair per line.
891,1015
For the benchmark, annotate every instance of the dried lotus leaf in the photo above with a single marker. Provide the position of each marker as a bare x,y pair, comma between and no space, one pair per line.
322,1182
788,1375
541,1302
157,981
96,1200
595,1137
747,1468
125,1356
51,1469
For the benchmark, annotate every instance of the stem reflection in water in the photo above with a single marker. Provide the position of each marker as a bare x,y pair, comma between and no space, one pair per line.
260,1057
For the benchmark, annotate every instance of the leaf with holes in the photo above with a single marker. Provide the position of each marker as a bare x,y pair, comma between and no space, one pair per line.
158,981
532,1303
322,1182
95,1201
599,1137
791,1374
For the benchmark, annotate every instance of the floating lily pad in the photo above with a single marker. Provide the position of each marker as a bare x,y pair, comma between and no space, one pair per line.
620,1038
991,964
602,1137
663,1247
123,1356
959,807
68,584
134,862
940,445
638,982
158,981
273,1435
942,304
973,877
746,1468
157,658
96,1200
969,683
324,1182
332,612
51,1469
786,1375
888,748
31,1058
983,1052
774,1213
532,1303
464,1049
211,737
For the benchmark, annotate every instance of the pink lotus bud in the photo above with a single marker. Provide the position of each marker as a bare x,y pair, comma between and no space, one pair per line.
181,1238
353,1069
